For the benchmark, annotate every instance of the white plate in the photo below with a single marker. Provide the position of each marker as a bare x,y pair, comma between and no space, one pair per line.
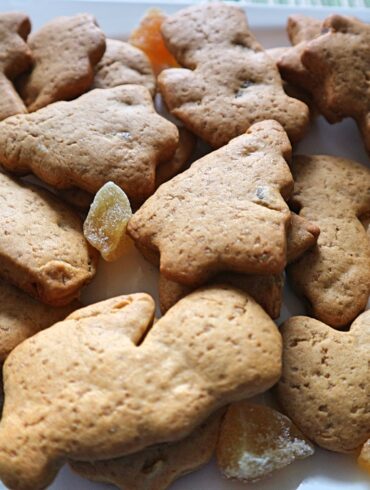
325,470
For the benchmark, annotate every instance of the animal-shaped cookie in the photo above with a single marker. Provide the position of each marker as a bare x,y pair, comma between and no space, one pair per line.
123,64
65,51
334,275
156,467
228,82
339,61
15,59
225,213
42,248
324,388
106,382
106,134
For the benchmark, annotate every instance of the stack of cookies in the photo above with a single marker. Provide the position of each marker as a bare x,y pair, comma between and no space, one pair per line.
136,401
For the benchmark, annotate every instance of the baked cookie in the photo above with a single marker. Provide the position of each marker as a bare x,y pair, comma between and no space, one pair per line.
65,51
334,275
256,440
324,388
42,248
242,185
123,64
107,134
156,467
21,317
265,289
364,457
228,81
339,60
106,374
15,59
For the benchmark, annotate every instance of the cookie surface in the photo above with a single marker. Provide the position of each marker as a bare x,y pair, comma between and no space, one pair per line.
334,275
184,221
65,51
107,134
47,256
324,386
228,82
213,347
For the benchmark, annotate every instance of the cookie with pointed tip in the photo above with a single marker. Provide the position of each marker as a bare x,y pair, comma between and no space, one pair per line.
122,384
339,61
156,467
123,64
364,457
334,275
265,289
106,134
16,58
42,247
324,385
65,51
228,82
225,213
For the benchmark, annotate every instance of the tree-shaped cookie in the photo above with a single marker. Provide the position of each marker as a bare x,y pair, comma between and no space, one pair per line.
324,388
340,62
65,51
228,82
15,59
106,382
334,276
226,213
107,134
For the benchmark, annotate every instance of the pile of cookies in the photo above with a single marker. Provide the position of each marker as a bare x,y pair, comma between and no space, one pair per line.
136,401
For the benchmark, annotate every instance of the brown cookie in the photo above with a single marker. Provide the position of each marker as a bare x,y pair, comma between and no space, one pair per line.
42,248
156,467
21,317
107,134
266,290
256,440
123,64
325,384
105,382
339,61
334,276
65,51
228,82
364,457
15,59
225,213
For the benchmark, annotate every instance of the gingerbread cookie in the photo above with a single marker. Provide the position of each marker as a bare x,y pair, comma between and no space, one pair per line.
156,467
107,134
334,276
106,374
65,51
15,59
228,82
42,248
339,61
265,289
241,185
324,387
123,64
21,317
256,440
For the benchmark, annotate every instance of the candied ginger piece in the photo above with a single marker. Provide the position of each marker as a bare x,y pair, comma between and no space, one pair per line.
364,458
106,223
148,38
255,440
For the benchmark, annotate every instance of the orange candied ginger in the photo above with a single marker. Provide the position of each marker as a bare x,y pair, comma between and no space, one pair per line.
364,458
148,38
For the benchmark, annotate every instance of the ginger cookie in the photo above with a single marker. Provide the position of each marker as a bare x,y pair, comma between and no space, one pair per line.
334,275
324,388
122,384
65,51
228,81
